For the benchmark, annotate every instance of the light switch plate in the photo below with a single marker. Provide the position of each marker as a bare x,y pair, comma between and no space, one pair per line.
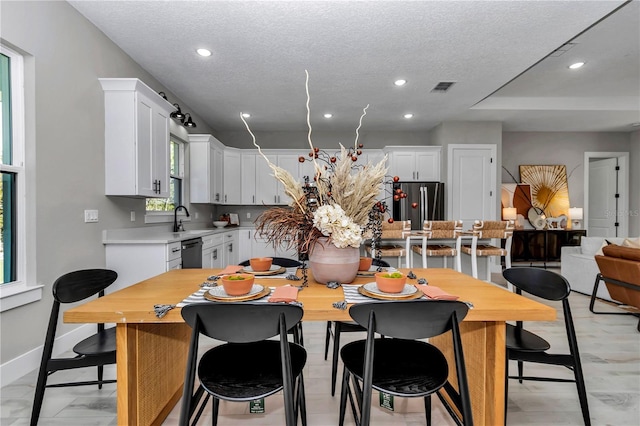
90,216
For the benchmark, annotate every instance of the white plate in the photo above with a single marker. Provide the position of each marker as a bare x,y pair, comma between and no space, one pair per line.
272,268
406,291
218,291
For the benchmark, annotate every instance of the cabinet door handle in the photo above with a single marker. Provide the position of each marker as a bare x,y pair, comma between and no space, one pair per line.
173,250
418,175
253,199
275,199
230,248
215,254
225,198
159,186
217,196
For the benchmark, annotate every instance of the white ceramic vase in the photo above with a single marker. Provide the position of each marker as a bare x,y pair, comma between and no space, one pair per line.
330,263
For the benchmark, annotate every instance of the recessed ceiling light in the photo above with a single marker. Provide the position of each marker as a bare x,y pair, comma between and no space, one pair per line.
400,82
203,52
328,115
407,116
246,115
576,65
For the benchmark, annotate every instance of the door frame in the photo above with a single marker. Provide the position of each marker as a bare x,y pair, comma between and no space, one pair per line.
623,188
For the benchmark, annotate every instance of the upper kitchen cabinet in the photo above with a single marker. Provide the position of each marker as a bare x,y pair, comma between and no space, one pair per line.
136,139
206,159
232,176
259,186
419,163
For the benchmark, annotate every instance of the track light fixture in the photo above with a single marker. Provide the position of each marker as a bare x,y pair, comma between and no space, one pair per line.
178,115
188,122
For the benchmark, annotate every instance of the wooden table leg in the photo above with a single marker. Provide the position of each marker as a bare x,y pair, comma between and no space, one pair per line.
484,352
151,360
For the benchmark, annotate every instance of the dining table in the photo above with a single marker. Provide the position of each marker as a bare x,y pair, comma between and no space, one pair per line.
152,350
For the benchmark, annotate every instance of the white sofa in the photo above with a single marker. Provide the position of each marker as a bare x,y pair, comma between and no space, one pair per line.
578,265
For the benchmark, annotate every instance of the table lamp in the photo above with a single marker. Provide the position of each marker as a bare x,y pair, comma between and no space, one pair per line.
509,213
575,213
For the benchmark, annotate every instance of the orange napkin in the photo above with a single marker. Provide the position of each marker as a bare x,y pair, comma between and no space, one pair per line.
286,293
231,269
435,293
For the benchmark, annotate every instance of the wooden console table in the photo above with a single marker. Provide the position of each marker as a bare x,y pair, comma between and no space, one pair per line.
533,245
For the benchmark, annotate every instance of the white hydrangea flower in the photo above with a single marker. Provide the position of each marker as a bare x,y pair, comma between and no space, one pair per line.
332,221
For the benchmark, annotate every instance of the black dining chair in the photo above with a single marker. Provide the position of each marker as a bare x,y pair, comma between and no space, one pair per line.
96,350
280,261
285,263
248,366
401,365
524,346
335,328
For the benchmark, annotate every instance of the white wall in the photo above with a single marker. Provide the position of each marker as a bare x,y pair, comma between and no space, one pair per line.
65,56
568,148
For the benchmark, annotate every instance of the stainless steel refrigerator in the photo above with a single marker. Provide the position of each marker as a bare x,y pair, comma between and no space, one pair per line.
428,198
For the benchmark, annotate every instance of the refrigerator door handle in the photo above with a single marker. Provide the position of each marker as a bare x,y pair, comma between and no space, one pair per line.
422,210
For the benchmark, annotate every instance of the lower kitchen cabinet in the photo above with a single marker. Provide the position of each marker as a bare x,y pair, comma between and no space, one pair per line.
137,262
212,248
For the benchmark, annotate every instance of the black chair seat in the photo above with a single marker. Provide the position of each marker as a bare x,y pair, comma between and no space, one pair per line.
421,370
525,341
98,344
255,365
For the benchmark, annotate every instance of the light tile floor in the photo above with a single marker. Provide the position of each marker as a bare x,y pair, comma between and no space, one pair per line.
609,345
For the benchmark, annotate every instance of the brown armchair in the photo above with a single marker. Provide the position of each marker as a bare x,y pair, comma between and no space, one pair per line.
620,270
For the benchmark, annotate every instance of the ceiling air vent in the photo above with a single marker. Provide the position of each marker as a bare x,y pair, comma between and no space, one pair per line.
443,86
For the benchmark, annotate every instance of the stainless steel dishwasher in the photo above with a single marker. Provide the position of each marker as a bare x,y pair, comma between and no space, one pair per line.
192,253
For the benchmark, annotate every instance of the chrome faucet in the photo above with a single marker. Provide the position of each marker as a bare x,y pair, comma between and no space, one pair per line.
176,228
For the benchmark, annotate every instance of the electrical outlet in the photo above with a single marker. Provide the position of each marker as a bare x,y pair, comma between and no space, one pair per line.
90,216
133,216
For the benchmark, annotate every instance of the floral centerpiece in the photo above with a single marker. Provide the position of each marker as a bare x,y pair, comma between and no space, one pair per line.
335,209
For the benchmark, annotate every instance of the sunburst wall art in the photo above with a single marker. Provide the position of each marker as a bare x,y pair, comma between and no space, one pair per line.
549,190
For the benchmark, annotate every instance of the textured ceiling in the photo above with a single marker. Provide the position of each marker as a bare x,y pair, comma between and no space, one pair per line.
495,52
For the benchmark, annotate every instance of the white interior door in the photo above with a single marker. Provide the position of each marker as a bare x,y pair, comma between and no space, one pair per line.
602,201
472,178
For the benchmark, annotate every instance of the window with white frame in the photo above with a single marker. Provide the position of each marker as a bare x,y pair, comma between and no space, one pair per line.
176,181
14,290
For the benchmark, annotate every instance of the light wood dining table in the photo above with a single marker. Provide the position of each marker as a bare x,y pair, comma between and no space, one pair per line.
152,351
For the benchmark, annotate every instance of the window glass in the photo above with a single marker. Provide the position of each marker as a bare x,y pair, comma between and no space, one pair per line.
11,168
175,181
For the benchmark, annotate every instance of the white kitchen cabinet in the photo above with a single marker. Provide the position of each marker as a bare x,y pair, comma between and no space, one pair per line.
415,163
290,163
137,262
136,139
212,251
206,158
230,254
266,186
232,176
248,178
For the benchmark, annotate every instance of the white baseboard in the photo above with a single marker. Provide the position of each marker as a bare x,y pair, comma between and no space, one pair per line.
12,370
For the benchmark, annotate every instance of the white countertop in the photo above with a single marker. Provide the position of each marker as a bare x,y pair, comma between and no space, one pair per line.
154,235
